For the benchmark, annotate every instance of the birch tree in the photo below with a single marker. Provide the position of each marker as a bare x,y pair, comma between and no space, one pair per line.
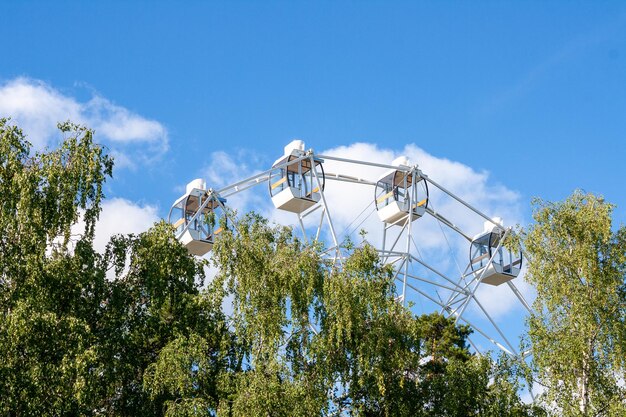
578,333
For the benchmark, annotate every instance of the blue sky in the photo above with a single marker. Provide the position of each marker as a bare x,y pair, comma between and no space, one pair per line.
532,93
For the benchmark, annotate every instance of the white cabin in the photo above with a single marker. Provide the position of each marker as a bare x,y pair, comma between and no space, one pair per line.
297,180
506,264
400,193
198,217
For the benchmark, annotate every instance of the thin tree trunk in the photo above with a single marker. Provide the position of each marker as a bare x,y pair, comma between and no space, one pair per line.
584,383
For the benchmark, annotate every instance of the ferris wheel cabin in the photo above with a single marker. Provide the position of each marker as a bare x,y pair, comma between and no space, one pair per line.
198,217
297,181
400,193
506,263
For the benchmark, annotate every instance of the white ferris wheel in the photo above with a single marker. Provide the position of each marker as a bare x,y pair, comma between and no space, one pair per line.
403,197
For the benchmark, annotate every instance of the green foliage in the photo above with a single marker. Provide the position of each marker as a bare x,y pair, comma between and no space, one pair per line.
153,302
310,339
187,367
72,341
134,332
48,292
578,334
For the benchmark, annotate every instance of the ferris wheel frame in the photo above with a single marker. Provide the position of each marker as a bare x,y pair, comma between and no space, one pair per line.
396,251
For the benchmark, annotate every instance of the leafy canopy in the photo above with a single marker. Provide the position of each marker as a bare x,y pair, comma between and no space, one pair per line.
578,331
136,331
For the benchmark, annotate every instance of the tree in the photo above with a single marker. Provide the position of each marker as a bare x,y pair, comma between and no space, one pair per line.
311,339
47,293
73,342
578,330
153,301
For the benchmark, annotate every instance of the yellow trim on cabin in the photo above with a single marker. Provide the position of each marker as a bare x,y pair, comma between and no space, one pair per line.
315,190
280,181
420,204
384,197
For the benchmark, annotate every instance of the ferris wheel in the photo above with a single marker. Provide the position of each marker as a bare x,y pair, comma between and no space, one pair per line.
398,202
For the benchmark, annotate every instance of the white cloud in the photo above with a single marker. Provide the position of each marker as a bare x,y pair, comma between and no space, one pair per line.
120,216
223,170
37,107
